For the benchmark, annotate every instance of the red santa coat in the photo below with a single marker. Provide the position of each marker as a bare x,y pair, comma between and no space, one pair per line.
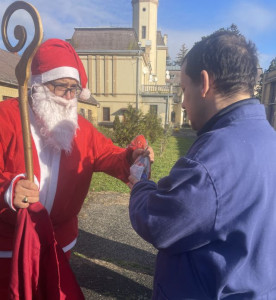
40,269
92,152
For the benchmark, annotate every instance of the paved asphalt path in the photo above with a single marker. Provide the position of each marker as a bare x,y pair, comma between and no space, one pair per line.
110,260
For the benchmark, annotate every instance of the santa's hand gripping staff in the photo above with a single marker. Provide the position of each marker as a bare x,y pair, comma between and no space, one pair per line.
67,149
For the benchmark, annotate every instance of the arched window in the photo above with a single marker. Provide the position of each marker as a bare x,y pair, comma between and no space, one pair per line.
172,116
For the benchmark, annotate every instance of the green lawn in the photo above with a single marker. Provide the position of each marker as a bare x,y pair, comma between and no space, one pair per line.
175,148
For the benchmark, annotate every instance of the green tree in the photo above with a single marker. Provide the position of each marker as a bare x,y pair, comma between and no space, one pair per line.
180,55
136,123
232,28
130,127
272,66
151,127
169,61
259,89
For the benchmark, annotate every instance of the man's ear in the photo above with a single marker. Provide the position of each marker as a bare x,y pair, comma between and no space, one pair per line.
205,83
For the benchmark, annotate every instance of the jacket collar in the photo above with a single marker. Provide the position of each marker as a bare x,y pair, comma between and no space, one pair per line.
209,125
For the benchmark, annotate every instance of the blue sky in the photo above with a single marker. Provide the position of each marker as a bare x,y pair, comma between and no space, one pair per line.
184,21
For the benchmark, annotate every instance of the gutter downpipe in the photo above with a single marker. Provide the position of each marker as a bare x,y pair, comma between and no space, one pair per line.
138,79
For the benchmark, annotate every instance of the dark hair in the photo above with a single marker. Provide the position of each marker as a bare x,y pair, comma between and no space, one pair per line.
228,58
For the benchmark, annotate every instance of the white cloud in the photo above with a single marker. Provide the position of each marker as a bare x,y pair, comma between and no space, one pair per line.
60,17
89,13
251,17
177,38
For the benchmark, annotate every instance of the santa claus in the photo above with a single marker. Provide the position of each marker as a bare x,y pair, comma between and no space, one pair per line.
67,149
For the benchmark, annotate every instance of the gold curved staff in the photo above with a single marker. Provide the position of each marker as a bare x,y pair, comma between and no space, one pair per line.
22,70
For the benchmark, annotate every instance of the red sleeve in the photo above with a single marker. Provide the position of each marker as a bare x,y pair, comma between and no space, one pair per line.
110,158
5,176
5,180
11,158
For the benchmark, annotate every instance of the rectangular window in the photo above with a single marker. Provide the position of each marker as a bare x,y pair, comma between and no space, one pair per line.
90,115
153,109
106,113
144,32
173,117
272,104
82,112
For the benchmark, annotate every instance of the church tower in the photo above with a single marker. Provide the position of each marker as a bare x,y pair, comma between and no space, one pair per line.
144,20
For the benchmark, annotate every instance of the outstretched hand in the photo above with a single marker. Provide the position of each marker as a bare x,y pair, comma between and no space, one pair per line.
145,152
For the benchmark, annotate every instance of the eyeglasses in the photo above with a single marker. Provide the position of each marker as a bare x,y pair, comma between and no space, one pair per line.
61,90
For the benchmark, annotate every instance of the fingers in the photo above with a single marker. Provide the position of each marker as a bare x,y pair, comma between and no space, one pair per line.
26,184
151,154
21,201
25,193
26,188
145,152
136,153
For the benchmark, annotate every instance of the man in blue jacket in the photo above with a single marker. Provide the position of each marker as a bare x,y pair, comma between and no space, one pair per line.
213,218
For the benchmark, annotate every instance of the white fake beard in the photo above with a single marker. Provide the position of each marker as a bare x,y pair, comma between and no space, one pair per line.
57,118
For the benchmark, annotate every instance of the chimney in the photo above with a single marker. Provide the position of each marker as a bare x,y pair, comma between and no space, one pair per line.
165,38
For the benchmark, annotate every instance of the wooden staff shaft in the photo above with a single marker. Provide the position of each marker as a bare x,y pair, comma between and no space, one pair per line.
27,140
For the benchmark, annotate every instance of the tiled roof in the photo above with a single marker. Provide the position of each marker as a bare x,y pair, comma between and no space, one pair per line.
93,39
8,62
159,39
91,101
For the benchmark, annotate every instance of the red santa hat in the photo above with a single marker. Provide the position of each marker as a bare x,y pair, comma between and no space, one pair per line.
57,59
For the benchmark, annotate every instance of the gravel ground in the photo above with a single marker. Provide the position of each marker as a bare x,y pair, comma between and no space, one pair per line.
110,260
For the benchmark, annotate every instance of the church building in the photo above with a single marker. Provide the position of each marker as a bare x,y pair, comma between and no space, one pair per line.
127,66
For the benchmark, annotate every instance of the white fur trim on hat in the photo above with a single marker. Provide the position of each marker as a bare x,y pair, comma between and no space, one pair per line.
57,73
85,94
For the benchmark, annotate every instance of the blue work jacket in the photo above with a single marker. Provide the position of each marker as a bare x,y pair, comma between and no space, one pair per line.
213,218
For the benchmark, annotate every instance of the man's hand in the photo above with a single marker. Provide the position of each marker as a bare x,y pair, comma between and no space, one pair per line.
145,152
137,152
25,192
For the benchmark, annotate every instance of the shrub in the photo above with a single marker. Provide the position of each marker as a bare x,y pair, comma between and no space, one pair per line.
130,127
135,123
152,127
